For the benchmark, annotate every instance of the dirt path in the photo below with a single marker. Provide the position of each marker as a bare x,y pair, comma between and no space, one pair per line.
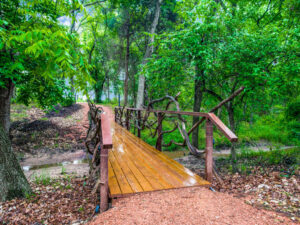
70,161
186,206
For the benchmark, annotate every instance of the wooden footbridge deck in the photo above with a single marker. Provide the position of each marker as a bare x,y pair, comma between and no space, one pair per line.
128,165
134,167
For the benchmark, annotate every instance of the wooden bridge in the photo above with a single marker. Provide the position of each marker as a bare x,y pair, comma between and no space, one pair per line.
129,165
134,166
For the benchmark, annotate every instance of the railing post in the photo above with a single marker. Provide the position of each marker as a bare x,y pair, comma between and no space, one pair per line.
105,146
127,119
116,115
159,131
103,179
209,151
139,123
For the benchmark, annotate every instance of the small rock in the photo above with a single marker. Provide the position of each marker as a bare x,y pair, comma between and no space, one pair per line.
261,186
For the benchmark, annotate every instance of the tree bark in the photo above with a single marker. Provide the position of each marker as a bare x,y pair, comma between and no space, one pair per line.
13,181
149,51
108,97
126,64
230,110
5,97
198,95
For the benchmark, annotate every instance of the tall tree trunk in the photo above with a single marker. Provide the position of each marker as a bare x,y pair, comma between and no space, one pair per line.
198,95
108,98
13,181
126,64
5,97
149,51
230,110
99,87
98,94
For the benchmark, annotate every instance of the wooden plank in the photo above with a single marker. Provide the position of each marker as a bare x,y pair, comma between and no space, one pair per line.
144,183
149,171
180,169
222,127
121,177
132,181
113,184
170,174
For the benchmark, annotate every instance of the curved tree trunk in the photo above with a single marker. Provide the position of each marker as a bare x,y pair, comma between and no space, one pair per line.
13,181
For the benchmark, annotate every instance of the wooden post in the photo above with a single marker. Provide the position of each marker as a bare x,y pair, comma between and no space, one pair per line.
127,119
116,115
106,145
159,131
103,179
139,123
209,151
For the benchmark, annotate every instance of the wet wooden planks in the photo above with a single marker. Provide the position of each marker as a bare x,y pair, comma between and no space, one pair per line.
134,167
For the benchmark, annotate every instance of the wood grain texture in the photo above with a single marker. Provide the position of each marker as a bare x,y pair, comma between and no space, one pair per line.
222,127
134,167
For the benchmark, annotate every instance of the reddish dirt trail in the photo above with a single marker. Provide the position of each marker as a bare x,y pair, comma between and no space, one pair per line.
186,206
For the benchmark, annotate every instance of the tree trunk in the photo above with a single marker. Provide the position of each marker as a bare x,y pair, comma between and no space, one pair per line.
98,95
108,98
126,65
5,97
149,51
13,181
230,110
73,91
199,87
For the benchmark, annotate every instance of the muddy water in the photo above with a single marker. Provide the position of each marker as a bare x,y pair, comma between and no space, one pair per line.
46,166
54,164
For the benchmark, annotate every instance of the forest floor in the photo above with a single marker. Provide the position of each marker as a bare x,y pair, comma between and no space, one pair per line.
50,147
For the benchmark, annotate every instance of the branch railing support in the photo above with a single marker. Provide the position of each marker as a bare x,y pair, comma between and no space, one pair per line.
159,131
139,123
127,119
209,151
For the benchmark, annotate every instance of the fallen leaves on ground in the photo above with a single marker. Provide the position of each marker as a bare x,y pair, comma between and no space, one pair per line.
38,131
266,189
63,201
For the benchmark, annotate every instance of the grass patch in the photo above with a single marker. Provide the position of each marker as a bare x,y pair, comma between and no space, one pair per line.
42,179
286,161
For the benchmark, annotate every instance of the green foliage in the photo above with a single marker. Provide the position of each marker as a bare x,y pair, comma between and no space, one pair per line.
286,161
37,52
275,157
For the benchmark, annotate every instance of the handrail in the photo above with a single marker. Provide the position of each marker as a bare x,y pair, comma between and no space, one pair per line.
222,127
211,119
170,112
216,120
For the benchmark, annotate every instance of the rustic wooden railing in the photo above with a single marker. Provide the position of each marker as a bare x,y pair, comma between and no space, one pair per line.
98,142
140,122
106,145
